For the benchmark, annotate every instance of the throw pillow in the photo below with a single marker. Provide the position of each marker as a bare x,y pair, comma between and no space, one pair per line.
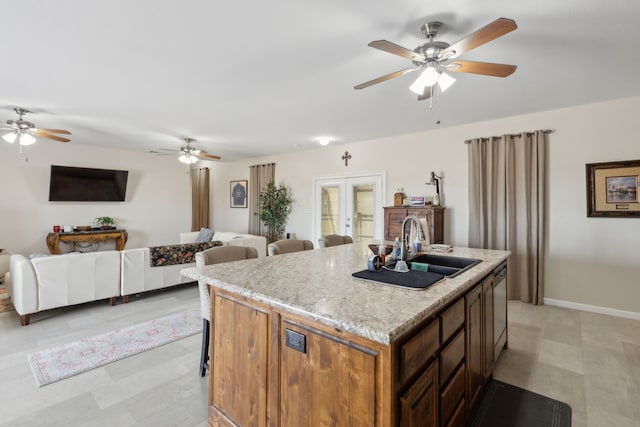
204,236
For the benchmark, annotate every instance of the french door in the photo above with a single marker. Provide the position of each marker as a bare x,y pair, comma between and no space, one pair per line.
349,205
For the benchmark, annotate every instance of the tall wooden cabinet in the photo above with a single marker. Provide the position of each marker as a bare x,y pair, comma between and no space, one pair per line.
479,339
394,215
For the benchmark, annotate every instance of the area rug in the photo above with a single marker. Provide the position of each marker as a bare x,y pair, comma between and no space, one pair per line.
504,405
5,300
70,359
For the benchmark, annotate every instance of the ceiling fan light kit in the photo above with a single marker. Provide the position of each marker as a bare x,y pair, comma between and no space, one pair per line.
24,138
188,159
25,132
432,57
190,155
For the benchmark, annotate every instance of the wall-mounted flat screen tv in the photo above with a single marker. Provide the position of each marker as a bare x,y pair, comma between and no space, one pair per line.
72,184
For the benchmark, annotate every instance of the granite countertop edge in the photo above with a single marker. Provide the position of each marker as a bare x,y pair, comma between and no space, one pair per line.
323,303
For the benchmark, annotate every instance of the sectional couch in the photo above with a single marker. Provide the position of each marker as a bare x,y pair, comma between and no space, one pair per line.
52,281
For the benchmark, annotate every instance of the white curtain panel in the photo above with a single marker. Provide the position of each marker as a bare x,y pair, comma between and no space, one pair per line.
507,193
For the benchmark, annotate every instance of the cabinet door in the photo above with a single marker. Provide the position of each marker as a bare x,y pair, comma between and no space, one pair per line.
487,326
475,368
393,218
326,381
239,370
419,405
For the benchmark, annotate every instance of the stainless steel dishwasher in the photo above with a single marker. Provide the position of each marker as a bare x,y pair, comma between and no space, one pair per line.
499,310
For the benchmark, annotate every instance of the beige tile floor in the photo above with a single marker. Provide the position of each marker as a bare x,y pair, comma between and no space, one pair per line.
590,361
160,387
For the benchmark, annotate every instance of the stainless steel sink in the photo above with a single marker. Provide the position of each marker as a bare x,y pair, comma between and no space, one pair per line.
449,266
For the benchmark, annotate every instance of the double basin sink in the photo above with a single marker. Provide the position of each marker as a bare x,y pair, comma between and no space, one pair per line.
448,266
439,267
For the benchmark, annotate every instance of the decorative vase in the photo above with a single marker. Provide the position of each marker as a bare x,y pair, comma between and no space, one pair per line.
436,199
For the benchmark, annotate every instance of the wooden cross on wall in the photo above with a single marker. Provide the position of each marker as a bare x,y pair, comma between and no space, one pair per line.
346,157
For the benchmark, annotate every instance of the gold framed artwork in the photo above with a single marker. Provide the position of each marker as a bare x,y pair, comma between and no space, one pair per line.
238,193
612,189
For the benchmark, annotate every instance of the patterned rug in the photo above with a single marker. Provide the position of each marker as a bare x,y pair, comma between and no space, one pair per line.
5,300
70,359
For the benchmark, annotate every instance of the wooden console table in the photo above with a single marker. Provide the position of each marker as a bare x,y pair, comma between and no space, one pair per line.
92,236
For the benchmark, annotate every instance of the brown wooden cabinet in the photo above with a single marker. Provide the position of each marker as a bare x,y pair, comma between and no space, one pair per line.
479,339
337,375
473,356
419,405
272,368
393,217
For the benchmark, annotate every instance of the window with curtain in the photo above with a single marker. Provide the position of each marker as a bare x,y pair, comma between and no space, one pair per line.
199,198
507,193
259,176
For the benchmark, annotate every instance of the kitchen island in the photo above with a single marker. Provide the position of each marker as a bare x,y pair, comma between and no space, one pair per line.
297,341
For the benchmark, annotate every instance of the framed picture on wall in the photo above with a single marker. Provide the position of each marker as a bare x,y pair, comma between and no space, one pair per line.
612,189
238,192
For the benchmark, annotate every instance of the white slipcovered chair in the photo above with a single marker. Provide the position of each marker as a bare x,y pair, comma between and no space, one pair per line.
333,240
216,255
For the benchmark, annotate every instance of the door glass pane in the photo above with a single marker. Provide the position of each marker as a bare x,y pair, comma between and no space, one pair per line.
362,212
330,210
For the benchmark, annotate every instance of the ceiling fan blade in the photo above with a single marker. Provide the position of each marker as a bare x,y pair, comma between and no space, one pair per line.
398,50
48,135
484,68
384,78
207,156
489,32
66,132
426,94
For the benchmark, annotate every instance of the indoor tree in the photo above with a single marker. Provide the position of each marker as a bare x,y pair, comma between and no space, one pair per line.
275,207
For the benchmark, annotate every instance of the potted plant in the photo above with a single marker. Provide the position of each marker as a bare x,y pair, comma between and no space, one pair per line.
274,208
106,222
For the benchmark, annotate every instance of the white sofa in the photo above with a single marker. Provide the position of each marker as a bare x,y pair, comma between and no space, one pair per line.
137,274
55,281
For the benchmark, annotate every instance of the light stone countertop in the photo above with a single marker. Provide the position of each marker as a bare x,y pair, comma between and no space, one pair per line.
317,284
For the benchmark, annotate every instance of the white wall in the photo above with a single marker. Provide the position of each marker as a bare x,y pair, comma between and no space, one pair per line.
156,210
594,261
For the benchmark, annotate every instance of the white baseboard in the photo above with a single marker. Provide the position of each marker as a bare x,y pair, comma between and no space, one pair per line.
592,308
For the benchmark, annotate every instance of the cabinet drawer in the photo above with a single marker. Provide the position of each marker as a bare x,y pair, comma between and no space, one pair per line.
451,356
419,405
452,394
452,319
419,349
458,418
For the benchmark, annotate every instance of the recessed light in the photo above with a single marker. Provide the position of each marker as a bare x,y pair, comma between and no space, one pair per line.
323,141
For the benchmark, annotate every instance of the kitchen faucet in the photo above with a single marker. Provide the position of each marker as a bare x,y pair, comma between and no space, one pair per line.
403,238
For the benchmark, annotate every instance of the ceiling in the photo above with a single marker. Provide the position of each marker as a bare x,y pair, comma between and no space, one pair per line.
255,78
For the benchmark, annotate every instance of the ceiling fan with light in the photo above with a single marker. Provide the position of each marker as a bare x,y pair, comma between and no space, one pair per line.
190,155
433,58
25,132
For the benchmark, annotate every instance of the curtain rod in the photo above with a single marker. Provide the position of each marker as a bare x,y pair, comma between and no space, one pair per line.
264,164
468,141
